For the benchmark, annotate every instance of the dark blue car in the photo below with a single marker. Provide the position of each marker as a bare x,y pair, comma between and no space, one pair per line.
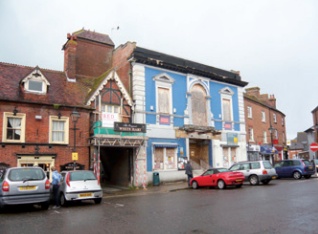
295,168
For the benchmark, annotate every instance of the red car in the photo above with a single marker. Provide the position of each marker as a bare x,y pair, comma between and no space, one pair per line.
220,177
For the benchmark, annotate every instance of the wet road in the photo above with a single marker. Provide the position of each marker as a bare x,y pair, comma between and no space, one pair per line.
283,206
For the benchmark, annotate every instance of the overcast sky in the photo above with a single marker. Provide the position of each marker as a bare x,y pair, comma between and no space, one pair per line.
273,43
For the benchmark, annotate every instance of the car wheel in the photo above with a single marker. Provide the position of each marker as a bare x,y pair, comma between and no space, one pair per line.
45,205
296,175
253,180
238,185
97,200
63,201
307,176
265,181
221,184
195,185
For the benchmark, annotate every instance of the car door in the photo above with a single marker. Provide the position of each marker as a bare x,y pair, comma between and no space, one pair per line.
206,178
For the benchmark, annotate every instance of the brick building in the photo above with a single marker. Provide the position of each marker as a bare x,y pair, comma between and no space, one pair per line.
265,126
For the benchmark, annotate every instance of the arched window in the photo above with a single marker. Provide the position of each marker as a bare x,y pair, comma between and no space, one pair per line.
199,105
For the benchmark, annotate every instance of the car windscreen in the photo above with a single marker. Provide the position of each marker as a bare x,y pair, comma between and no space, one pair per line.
26,174
222,169
82,175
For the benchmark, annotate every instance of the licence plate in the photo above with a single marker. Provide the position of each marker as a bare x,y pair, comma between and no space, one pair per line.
310,167
273,177
239,180
86,195
27,188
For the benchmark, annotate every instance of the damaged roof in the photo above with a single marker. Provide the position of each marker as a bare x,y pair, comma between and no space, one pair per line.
157,59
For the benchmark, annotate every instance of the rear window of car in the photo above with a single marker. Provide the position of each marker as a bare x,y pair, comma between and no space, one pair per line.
267,165
307,163
21,174
82,175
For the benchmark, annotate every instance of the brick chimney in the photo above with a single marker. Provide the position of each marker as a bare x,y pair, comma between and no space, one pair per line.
70,56
272,101
87,53
254,91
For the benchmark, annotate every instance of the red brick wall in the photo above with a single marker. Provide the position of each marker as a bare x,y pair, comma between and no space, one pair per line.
92,59
122,65
37,133
259,127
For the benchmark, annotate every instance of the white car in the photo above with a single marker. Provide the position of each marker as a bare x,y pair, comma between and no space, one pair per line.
79,185
256,171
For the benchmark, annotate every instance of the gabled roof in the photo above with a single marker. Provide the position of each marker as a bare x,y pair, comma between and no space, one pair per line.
157,59
102,81
60,91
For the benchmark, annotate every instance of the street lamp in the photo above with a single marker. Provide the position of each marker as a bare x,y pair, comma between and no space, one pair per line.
75,116
271,130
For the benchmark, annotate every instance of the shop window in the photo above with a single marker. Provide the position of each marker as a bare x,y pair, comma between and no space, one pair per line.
13,127
59,130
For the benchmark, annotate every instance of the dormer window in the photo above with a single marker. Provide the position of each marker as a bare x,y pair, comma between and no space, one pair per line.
36,82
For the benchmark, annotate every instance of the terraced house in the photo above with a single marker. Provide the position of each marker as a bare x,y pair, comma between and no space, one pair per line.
125,113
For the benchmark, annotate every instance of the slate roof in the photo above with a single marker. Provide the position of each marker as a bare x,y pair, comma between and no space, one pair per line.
262,103
94,36
60,90
162,60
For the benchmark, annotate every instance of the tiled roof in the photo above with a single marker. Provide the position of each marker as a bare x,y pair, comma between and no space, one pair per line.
60,90
94,36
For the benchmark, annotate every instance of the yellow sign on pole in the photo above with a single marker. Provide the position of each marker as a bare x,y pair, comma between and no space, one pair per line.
74,156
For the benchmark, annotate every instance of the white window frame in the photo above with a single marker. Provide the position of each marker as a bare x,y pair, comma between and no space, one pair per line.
263,116
227,93
6,116
265,137
163,80
36,76
283,122
275,118
249,112
251,134
66,129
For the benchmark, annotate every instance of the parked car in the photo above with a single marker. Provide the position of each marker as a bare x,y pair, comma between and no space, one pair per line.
79,185
255,171
220,177
24,185
315,161
295,168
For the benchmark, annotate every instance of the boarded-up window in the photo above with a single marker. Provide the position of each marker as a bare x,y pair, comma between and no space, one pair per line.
163,100
198,100
227,109
165,158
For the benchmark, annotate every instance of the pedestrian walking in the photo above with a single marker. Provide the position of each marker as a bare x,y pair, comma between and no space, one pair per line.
188,171
56,180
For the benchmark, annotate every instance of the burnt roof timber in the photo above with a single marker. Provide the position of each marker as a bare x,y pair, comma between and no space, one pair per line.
161,60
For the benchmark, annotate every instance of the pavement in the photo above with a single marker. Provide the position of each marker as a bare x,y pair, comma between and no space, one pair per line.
110,191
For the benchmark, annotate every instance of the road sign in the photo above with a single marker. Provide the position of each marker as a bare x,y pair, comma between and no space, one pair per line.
74,156
314,147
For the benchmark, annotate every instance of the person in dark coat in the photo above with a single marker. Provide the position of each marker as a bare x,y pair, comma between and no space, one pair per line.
188,171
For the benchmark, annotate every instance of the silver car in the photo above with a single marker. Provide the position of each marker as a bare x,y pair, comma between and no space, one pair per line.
256,171
79,185
24,185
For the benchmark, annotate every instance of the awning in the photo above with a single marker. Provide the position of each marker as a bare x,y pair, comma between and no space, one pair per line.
268,149
165,145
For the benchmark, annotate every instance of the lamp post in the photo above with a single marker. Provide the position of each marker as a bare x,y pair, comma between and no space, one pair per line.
75,116
271,130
